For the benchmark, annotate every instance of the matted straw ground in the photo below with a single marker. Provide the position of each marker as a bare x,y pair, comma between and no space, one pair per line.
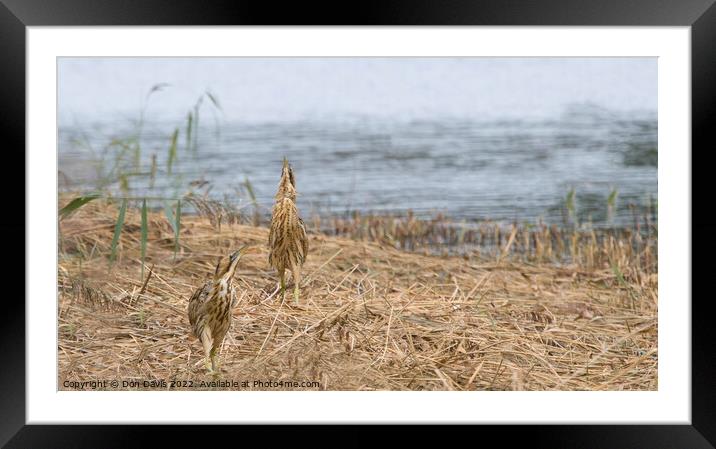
370,317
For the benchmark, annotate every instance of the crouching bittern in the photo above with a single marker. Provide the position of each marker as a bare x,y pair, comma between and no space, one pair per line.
288,242
210,307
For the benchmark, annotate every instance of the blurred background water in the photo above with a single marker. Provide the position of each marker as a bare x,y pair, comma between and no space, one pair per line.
504,139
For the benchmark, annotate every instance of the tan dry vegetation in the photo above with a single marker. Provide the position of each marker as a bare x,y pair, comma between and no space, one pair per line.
371,317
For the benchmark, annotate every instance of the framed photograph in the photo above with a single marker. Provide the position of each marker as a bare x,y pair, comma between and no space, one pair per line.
252,222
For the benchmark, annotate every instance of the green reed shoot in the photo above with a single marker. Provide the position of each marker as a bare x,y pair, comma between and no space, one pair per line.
252,195
214,100
153,171
611,204
76,204
118,230
570,204
140,125
174,219
124,183
172,151
195,143
189,119
155,88
192,126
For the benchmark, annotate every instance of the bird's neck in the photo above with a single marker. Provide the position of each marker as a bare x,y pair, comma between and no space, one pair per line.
286,190
223,287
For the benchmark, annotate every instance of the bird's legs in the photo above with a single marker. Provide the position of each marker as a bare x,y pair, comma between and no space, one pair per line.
296,272
212,357
215,352
283,283
208,350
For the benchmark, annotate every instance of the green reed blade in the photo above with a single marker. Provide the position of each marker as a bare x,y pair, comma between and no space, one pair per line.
189,119
118,230
157,88
612,199
170,216
570,201
250,189
172,150
214,100
76,204
195,143
153,171
124,183
252,195
611,204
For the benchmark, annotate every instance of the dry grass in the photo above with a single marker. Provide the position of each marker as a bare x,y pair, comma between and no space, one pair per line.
371,317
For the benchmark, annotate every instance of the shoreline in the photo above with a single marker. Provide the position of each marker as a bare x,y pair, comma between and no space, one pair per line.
440,234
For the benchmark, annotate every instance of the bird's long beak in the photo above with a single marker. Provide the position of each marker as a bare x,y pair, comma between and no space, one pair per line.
285,162
245,249
237,254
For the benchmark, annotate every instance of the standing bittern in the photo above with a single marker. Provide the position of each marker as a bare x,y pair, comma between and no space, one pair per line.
288,242
210,307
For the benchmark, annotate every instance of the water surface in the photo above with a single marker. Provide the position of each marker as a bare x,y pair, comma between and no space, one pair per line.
502,170
474,138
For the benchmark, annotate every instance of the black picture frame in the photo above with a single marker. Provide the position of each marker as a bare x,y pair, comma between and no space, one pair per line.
700,15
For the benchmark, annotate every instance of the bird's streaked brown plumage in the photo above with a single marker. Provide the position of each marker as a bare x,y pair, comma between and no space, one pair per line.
288,242
210,306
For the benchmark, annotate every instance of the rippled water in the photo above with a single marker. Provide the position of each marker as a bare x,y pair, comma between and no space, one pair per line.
499,170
